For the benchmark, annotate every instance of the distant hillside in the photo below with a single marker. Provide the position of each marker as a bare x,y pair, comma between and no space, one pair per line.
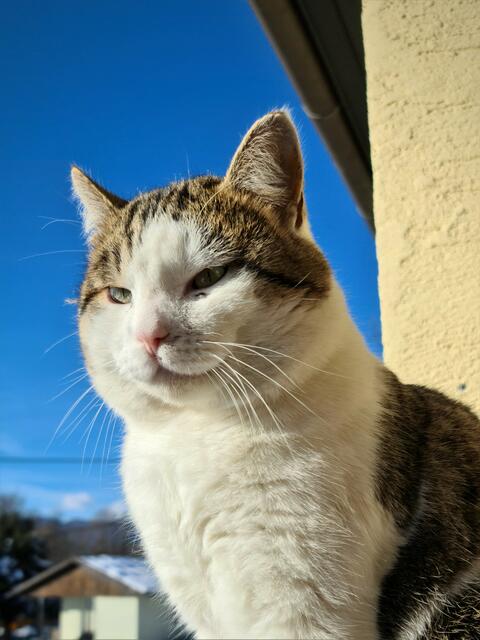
85,537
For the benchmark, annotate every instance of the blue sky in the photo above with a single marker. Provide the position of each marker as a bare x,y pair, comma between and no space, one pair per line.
138,94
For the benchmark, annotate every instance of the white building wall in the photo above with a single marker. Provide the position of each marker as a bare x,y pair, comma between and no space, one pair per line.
76,616
117,617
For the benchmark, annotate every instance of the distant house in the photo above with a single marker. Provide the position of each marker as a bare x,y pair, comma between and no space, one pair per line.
103,597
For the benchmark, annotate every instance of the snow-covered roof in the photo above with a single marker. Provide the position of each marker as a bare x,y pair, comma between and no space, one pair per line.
132,572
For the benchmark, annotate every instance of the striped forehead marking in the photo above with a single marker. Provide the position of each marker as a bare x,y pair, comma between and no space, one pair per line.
217,218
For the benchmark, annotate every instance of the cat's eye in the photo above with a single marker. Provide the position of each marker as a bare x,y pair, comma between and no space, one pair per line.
119,295
208,277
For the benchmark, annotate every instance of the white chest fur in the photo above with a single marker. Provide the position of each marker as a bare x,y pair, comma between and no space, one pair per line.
252,537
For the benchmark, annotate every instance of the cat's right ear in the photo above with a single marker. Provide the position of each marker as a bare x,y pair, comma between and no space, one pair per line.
269,164
95,202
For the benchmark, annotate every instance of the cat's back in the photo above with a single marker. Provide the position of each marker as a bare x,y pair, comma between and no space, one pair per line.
428,477
459,619
428,444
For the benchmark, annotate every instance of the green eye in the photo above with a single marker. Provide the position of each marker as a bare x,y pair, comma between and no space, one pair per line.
119,295
208,277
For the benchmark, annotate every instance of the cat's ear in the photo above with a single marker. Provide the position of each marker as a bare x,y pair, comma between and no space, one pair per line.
269,163
96,202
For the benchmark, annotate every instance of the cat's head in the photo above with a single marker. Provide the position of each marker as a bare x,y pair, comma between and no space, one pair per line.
207,287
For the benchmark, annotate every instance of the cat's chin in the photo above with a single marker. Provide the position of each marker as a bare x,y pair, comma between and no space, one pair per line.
179,388
166,376
186,391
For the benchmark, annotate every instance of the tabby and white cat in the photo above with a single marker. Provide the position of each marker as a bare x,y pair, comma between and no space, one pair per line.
284,483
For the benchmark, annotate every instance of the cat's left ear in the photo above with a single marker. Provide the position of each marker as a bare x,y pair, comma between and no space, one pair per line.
96,202
269,164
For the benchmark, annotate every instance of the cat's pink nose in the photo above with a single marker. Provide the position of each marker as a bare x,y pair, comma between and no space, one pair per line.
152,341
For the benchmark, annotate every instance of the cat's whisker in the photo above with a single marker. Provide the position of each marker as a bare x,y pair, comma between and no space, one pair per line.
111,430
108,419
55,220
100,432
281,431
68,375
284,355
243,393
242,388
67,414
75,423
112,433
57,342
302,280
247,404
215,385
212,197
70,386
230,394
88,432
276,383
50,253
257,393
261,355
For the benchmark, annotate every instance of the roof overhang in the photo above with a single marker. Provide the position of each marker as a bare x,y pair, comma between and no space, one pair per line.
53,574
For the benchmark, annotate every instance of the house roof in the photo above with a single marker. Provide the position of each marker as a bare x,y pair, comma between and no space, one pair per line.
133,574
321,47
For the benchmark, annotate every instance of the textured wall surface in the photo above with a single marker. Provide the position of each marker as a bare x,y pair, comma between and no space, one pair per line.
423,79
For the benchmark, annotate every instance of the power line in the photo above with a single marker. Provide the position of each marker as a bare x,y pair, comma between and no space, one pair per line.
57,460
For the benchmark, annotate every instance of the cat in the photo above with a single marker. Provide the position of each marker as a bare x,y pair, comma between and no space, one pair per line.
284,483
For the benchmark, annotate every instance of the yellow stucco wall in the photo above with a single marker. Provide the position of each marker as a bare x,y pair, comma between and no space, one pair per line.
423,86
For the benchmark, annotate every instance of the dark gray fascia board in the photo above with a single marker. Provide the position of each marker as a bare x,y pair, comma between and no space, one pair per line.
286,30
55,571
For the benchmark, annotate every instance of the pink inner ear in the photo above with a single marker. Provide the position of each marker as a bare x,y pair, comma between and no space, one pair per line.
269,163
